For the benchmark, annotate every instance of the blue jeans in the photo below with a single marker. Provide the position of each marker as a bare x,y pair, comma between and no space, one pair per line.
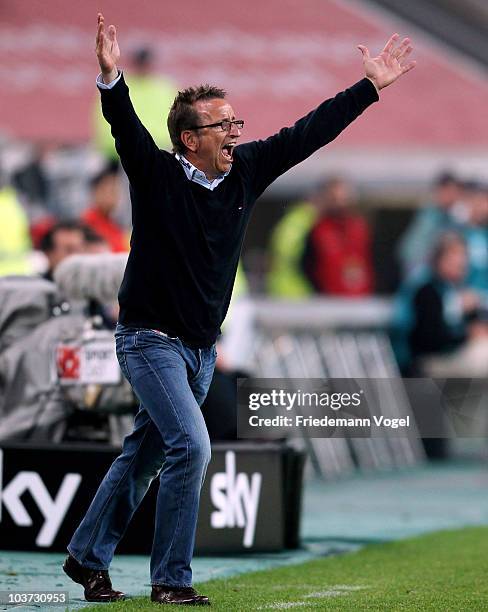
169,439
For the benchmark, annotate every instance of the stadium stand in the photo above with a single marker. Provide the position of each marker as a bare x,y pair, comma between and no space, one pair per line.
461,25
290,59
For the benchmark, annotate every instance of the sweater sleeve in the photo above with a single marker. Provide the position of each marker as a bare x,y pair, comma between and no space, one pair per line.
136,148
267,159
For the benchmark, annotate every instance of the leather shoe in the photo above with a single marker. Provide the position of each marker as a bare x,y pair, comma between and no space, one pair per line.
165,594
97,583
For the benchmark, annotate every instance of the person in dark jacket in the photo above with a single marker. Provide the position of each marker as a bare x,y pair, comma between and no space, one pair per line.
448,315
190,210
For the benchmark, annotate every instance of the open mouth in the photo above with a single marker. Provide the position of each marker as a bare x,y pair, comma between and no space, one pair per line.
227,151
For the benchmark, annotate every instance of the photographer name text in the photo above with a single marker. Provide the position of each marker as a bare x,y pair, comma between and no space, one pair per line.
299,420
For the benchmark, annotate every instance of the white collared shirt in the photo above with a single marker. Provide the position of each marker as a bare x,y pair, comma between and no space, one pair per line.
197,176
191,171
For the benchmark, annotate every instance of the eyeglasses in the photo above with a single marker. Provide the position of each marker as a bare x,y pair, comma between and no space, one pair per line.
224,125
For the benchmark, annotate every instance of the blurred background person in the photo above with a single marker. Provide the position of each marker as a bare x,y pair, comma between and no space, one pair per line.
432,218
60,241
442,305
440,319
151,95
475,233
337,257
15,243
68,238
286,278
32,184
105,198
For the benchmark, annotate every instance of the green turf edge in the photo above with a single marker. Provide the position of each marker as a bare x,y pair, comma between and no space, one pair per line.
441,571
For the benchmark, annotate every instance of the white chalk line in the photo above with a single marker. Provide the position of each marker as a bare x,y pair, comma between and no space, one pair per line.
340,589
337,590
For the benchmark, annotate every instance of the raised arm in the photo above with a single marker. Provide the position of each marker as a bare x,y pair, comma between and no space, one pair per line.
268,159
135,146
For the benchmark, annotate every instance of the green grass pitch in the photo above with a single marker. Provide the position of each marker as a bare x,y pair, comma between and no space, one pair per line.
442,571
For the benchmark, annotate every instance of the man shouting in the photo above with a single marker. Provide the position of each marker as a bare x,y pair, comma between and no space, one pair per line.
190,209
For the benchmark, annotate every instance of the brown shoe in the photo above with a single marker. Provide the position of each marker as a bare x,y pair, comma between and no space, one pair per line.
97,583
178,595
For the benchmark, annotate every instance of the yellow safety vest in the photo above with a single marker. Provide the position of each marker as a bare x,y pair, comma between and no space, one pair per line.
286,278
15,241
152,98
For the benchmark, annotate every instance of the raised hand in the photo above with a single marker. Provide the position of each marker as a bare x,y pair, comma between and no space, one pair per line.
107,50
389,64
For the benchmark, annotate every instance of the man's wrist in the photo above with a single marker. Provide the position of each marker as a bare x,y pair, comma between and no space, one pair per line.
375,84
102,85
108,77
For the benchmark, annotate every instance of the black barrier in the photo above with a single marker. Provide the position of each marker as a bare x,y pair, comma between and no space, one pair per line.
250,500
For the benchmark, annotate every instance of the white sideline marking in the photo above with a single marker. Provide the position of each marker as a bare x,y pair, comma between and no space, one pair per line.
336,590
284,605
275,587
330,593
